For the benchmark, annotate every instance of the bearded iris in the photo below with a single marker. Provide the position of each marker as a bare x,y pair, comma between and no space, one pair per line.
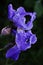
18,17
23,42
24,37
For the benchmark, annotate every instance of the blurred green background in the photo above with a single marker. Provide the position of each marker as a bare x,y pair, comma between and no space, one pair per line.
33,56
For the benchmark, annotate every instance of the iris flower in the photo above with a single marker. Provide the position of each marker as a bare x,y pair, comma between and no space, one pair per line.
18,17
23,42
25,39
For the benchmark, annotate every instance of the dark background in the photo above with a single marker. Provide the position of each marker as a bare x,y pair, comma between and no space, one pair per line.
33,56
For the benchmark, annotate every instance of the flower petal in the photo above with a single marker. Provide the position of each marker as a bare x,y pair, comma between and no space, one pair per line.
21,11
19,21
15,56
25,46
11,11
33,39
13,32
20,40
13,53
27,26
33,17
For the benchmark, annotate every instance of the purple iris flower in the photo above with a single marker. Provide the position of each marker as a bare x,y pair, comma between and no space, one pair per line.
25,39
23,42
18,17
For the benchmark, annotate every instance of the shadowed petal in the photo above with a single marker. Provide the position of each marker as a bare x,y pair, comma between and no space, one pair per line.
25,46
13,53
13,32
15,56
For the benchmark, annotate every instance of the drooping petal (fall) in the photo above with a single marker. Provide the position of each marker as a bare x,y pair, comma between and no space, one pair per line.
13,53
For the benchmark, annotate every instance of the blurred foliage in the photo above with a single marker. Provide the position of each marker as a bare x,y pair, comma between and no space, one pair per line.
38,8
33,56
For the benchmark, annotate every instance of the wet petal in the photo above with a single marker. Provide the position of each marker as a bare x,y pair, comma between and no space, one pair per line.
13,52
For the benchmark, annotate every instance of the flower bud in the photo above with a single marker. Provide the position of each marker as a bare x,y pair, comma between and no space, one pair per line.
6,31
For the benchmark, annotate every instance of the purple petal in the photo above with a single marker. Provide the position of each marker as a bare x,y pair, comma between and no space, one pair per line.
22,44
13,32
33,17
19,21
15,56
20,40
21,11
29,25
11,11
33,39
13,53
25,46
